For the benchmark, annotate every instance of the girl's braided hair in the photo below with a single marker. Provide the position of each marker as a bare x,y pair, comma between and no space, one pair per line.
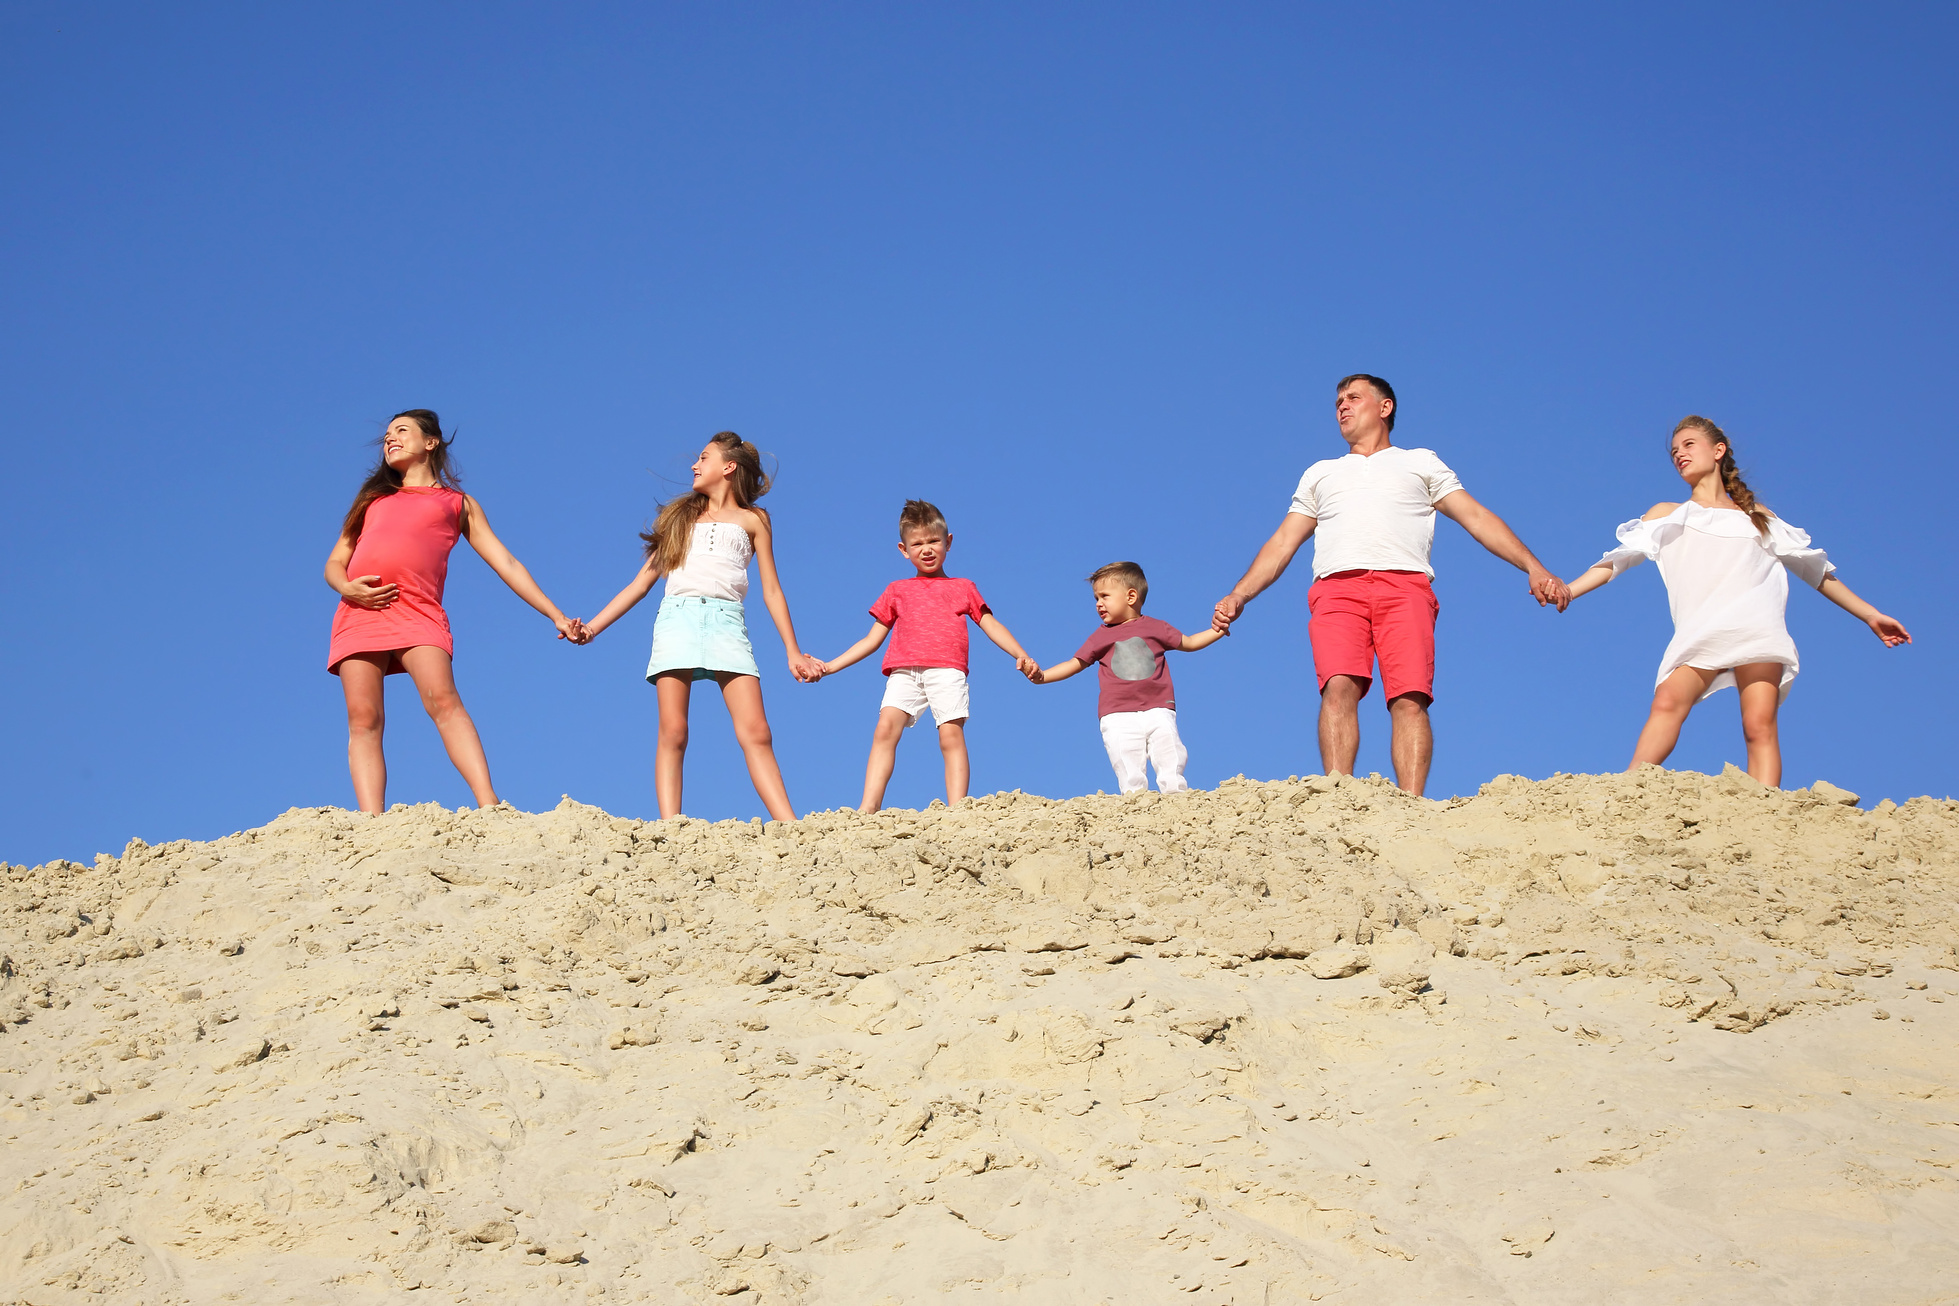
1730,474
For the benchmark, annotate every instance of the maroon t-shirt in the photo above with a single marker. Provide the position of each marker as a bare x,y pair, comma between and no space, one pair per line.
1135,674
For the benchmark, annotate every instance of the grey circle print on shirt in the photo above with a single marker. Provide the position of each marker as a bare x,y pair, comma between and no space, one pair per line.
1132,659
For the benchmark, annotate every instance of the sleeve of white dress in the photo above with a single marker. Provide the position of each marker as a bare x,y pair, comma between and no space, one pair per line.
1791,547
1638,541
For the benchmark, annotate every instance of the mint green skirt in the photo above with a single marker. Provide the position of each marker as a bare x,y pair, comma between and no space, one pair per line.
704,636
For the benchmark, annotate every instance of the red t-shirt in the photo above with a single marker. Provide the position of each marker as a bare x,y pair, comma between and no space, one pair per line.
927,617
1135,674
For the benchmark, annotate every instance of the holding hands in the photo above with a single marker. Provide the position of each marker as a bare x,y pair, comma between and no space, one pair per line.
1548,589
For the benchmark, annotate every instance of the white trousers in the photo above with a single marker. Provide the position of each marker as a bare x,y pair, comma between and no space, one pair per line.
1133,738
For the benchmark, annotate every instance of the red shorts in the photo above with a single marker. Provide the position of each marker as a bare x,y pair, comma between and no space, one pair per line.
1359,615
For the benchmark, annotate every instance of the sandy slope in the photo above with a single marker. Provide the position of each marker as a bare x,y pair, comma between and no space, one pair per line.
1662,1038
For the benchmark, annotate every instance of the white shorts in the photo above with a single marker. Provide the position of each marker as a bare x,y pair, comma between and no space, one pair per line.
1149,736
912,689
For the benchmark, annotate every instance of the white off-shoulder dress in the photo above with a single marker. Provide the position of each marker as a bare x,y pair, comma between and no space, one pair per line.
1727,586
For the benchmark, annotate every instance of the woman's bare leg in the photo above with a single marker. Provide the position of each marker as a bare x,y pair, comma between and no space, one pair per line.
429,667
1673,699
891,723
743,696
675,689
1761,694
361,679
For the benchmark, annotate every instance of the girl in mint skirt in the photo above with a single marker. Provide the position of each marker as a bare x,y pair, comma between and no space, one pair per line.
702,542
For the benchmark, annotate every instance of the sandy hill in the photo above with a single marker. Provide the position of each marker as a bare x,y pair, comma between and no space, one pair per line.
1653,1038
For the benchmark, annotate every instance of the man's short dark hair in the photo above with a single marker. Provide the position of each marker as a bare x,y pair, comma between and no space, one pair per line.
1381,388
1126,574
918,515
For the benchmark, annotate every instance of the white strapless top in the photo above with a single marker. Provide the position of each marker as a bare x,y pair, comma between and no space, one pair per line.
716,566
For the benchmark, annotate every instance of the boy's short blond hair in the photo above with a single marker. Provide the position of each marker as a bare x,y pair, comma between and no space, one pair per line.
918,515
1127,574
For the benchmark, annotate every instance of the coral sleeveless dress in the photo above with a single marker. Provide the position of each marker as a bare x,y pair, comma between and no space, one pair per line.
406,541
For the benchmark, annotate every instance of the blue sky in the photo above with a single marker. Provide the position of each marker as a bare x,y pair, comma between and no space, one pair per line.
1083,275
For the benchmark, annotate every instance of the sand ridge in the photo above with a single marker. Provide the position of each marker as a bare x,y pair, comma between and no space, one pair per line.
1654,1037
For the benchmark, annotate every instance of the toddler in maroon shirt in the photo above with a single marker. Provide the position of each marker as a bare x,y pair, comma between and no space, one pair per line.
1138,704
925,615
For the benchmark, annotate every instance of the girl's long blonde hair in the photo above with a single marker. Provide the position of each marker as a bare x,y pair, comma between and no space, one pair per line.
673,530
1730,474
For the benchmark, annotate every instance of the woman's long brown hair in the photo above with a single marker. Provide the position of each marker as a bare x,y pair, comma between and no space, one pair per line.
1730,474
673,530
385,480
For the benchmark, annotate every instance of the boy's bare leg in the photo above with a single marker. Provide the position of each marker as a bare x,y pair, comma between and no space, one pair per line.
743,697
1761,694
670,750
958,767
1340,724
1413,742
890,729
1673,699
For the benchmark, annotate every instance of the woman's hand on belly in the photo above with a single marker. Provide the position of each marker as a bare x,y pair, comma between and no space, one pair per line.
362,592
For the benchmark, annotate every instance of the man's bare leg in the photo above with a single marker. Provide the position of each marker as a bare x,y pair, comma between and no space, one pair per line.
1413,744
1340,723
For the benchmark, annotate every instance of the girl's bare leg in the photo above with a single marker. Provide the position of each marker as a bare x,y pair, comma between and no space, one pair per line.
743,696
429,667
1761,694
675,689
361,679
891,725
1673,699
958,766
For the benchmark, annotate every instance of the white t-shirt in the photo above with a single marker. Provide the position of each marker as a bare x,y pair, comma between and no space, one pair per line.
1376,512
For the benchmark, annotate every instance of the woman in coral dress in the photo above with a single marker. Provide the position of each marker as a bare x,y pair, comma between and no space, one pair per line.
1726,561
389,567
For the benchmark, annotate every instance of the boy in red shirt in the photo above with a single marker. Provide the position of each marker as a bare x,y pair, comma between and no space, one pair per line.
926,663
1138,704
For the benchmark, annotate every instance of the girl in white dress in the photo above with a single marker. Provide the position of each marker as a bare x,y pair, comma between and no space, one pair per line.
1726,561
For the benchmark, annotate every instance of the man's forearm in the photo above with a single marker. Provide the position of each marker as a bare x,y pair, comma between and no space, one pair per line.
1270,564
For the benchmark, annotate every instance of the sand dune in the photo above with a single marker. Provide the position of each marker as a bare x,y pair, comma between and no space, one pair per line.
1652,1038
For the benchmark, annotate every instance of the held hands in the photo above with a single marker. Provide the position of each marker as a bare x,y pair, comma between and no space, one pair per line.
808,668
576,631
1228,610
1546,588
1028,667
363,593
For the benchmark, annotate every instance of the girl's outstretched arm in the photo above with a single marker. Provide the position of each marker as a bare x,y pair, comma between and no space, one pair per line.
857,652
1885,628
358,590
801,665
1591,580
622,602
476,529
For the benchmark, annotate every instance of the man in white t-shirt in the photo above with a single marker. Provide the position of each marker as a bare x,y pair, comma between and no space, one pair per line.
1374,514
